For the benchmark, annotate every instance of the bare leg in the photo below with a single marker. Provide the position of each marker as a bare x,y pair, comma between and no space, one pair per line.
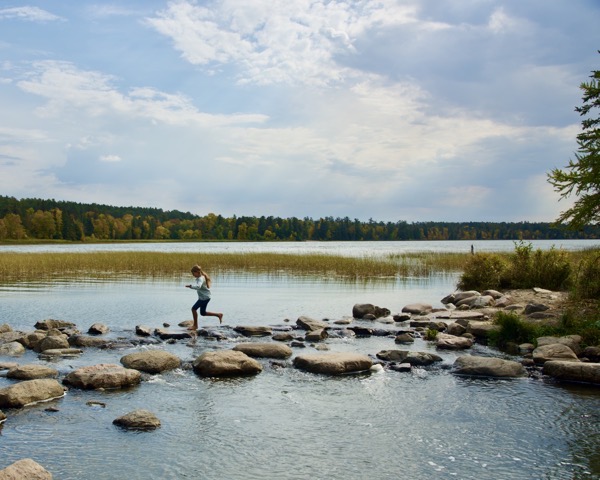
195,325
213,314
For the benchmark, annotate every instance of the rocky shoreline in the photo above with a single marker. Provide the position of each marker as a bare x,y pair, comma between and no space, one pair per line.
465,321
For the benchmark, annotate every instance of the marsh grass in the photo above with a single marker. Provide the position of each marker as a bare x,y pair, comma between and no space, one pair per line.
29,266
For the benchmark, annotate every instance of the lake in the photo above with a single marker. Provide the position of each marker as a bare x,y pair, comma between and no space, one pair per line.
284,423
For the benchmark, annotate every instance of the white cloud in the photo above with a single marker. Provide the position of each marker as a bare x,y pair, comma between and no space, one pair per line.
28,13
110,158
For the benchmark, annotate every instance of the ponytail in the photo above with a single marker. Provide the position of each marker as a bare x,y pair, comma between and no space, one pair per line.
198,268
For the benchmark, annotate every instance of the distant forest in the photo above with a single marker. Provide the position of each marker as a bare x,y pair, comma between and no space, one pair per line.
33,218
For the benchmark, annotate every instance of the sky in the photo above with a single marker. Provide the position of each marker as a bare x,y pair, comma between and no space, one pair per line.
391,110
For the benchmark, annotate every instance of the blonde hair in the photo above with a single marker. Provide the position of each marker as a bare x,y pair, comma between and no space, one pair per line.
198,268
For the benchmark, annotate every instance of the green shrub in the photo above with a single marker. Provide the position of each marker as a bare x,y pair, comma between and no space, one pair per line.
431,334
587,277
549,269
483,271
514,330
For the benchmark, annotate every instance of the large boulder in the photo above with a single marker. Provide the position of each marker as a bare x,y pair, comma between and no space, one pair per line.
573,371
138,420
225,363
362,310
470,365
554,351
333,363
31,372
25,469
30,391
104,375
264,350
151,361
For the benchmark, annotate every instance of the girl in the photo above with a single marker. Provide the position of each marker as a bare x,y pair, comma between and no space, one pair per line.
202,286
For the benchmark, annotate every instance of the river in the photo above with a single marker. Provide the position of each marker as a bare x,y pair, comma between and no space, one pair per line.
284,423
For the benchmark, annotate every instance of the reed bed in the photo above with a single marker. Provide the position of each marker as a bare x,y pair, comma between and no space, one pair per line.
30,266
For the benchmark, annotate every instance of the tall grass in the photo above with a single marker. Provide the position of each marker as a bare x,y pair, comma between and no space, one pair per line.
29,266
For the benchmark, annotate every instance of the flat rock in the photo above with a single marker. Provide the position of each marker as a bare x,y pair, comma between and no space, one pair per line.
471,365
151,361
30,391
225,363
104,375
264,350
555,351
450,342
310,324
407,356
87,341
577,372
31,372
417,308
333,363
250,331
51,324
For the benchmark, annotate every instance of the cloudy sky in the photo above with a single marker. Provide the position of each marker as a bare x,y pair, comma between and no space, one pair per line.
411,110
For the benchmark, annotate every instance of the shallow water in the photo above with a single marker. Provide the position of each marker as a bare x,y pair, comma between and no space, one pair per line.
284,423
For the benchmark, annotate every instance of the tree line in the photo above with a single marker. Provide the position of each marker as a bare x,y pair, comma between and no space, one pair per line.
33,218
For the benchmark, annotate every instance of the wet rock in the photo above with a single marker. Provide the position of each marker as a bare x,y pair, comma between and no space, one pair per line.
2,417
591,353
98,329
87,341
151,361
402,317
333,363
310,324
143,330
316,335
51,324
225,363
138,420
573,371
249,331
8,365
456,329
361,310
31,372
168,335
406,356
104,375
470,365
25,469
417,308
264,350
401,367
361,331
283,337
60,353
404,338
32,339
30,391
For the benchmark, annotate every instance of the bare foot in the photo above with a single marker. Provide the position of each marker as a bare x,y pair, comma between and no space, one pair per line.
220,315
193,328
